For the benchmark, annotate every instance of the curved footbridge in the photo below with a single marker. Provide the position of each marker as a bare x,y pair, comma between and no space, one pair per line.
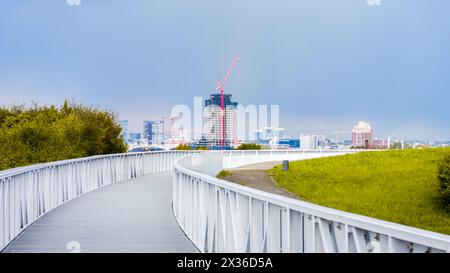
130,216
172,202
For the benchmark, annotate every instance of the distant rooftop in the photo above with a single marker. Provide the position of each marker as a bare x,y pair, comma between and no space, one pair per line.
215,100
362,127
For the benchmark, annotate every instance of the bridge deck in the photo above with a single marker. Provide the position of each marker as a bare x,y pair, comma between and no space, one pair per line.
131,216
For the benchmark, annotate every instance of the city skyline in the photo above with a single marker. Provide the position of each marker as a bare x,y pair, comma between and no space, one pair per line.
326,68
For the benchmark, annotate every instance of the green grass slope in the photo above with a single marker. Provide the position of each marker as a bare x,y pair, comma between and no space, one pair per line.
399,186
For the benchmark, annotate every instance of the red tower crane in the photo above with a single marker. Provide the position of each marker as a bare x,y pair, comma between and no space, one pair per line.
221,88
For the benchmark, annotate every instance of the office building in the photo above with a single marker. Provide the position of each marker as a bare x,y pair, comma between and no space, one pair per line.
124,125
258,136
153,131
308,142
147,130
135,137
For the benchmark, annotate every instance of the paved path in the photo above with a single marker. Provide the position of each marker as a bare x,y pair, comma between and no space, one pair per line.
259,166
255,176
131,216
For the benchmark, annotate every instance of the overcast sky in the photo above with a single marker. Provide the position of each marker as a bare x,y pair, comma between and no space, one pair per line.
327,63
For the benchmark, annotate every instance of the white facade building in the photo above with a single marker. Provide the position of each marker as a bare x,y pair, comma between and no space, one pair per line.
308,142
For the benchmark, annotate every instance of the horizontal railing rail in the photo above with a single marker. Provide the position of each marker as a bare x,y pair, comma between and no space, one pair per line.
236,158
220,216
27,193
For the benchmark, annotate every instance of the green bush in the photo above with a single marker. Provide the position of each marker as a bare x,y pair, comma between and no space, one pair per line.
223,174
444,182
249,146
37,134
183,147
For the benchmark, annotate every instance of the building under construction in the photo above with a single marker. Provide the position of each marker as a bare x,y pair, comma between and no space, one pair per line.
216,134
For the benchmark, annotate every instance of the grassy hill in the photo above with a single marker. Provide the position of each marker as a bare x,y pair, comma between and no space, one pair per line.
398,186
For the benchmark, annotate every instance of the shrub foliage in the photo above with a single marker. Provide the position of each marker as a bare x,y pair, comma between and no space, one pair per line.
444,182
183,147
249,146
223,174
36,134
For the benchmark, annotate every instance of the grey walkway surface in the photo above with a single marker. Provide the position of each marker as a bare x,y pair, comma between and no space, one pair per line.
259,166
130,216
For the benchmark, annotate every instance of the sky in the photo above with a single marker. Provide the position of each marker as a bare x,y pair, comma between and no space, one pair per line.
326,63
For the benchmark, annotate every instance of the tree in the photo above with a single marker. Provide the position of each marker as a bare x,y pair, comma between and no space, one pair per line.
249,146
36,134
183,147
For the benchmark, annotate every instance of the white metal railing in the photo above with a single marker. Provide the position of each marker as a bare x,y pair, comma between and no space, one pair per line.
27,193
219,216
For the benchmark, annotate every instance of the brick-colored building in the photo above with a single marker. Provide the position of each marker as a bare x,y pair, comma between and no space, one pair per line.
362,135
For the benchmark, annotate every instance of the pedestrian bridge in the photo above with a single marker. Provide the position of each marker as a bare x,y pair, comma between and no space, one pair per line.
171,202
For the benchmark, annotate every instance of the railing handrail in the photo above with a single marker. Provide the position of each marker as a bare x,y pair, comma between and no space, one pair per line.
403,232
35,167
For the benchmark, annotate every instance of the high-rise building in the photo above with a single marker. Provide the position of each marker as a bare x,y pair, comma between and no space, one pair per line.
308,142
362,135
278,133
213,122
158,132
153,131
147,130
124,125
268,132
258,136
135,137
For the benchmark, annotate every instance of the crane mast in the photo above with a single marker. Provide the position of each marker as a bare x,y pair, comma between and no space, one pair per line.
221,88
